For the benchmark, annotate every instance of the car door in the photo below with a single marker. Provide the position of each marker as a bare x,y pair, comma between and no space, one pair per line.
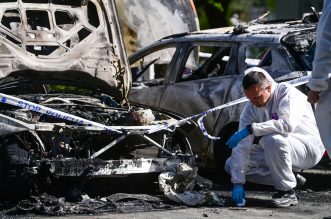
203,83
151,70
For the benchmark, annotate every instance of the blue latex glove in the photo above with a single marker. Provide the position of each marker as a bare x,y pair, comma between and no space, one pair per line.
237,137
238,194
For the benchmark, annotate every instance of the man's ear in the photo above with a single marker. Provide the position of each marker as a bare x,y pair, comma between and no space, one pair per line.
268,88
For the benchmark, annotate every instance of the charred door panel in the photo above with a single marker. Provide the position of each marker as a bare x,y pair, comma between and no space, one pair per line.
202,83
150,75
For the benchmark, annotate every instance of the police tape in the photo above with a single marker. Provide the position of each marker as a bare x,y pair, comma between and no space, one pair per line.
294,82
200,120
202,128
24,104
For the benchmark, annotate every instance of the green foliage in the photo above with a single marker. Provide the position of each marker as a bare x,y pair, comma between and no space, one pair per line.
217,13
216,5
65,88
240,7
243,7
271,5
203,18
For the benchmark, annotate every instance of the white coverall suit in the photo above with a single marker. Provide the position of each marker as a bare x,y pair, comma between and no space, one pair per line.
290,140
321,74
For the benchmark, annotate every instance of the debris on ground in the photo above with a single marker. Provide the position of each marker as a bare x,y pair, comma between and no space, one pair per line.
184,186
180,188
56,206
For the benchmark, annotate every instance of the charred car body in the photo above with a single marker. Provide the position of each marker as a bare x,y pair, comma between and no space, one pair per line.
64,82
190,73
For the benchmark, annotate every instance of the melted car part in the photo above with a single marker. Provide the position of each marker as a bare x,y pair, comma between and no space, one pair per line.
54,148
100,168
76,41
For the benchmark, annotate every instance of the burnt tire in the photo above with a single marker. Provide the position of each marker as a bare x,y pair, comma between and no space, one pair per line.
222,152
179,144
13,183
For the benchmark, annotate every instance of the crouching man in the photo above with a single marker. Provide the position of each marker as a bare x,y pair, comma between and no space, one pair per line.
282,121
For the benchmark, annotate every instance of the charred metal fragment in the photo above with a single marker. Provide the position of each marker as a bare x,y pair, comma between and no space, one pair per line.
102,168
54,206
96,154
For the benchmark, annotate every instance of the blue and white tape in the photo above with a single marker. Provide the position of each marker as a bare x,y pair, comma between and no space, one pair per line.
294,82
24,104
200,120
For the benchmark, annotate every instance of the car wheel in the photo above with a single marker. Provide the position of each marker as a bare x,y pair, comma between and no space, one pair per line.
222,152
13,159
178,144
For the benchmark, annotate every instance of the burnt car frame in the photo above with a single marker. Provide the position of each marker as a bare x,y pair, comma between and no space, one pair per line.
190,73
64,80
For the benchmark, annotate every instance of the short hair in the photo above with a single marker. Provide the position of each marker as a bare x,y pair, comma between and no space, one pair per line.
254,78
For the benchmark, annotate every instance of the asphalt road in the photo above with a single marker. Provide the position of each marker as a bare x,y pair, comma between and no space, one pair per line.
314,202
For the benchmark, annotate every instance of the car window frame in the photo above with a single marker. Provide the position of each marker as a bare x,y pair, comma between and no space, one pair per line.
155,48
275,47
191,45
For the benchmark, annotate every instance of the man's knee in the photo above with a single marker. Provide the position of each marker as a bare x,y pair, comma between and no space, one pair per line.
273,142
227,165
276,149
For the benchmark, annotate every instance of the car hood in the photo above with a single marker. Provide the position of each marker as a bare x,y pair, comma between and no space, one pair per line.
76,41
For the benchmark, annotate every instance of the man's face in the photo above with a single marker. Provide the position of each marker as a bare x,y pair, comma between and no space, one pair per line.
257,95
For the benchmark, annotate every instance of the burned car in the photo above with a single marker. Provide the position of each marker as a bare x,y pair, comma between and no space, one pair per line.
191,73
64,112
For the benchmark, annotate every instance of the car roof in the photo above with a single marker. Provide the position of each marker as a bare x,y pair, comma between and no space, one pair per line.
267,32
271,32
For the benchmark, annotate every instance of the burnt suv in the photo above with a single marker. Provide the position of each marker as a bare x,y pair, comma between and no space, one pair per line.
64,115
191,73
